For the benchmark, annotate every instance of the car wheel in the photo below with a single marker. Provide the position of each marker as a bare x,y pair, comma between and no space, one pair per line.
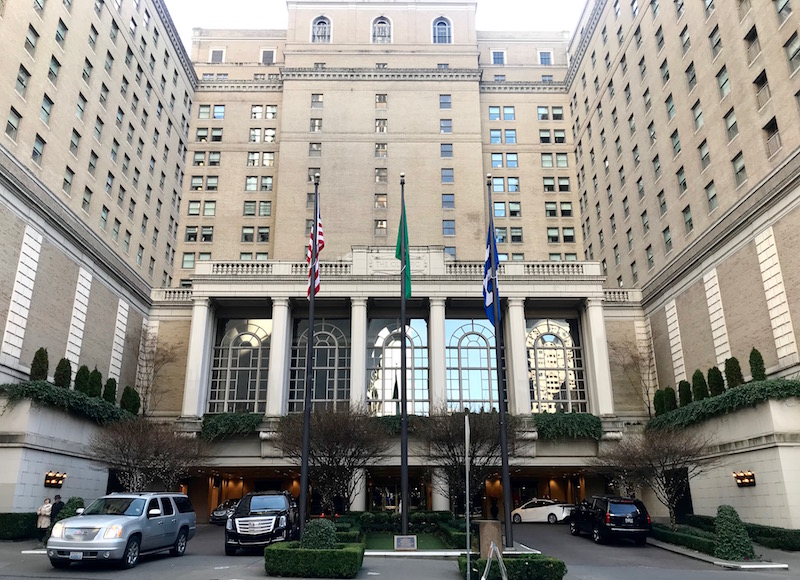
551,518
131,556
230,550
597,535
59,564
180,544
516,518
574,529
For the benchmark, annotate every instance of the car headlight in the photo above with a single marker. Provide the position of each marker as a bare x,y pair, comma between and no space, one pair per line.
58,530
229,524
113,531
282,522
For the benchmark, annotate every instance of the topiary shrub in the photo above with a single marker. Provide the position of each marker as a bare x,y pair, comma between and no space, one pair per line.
82,379
95,384
684,393
40,367
716,384
130,401
670,400
70,508
658,402
733,373
63,375
732,541
758,371
110,391
518,566
699,386
319,535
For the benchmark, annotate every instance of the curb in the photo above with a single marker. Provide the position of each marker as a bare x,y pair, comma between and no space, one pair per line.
712,560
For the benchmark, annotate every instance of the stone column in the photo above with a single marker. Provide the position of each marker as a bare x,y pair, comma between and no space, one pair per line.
437,358
598,368
358,352
279,346
440,491
358,502
519,394
198,361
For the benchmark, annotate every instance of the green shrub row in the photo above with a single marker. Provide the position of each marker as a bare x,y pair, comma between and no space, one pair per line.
348,537
559,426
684,538
77,403
18,526
289,559
732,541
454,537
519,567
225,425
767,536
748,395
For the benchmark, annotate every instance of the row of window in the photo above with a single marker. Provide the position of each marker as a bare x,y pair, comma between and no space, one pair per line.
205,234
189,258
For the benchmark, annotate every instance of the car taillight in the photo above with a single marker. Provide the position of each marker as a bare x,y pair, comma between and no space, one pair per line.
608,518
648,519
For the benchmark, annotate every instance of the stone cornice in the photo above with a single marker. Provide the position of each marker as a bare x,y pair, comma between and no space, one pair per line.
239,86
172,32
522,87
387,74
585,37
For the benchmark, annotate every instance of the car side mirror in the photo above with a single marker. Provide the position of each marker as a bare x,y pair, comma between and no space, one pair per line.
79,511
154,513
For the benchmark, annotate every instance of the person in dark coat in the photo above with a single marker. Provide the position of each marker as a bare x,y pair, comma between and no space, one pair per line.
58,505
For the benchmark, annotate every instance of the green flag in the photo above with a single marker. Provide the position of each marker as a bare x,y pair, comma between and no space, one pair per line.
403,241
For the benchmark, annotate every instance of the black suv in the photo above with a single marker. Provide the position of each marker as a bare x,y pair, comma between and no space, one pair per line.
609,516
259,519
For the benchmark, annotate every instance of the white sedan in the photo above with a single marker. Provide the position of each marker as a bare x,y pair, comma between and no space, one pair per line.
541,510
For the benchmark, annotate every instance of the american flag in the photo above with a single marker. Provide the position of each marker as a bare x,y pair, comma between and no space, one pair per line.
320,245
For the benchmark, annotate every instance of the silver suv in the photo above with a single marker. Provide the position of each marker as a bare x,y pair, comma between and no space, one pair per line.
122,526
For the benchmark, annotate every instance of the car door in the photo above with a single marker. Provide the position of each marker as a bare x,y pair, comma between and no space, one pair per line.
538,511
152,527
170,522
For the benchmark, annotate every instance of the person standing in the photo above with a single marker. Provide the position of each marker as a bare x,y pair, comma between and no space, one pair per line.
58,505
43,521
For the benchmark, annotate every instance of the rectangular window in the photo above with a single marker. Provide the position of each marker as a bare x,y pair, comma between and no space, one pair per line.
724,83
446,150
667,240
445,125
266,183
705,157
508,114
553,235
12,125
448,227
547,160
543,113
711,196
448,201
38,149
549,184
315,125
494,113
381,125
381,175
561,160
731,126
445,101
381,150
448,175
739,171
497,160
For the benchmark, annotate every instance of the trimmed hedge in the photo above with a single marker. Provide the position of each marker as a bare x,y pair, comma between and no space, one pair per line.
758,371
40,367
130,400
559,426
225,425
767,536
18,526
289,559
748,395
74,402
519,567
683,538
732,542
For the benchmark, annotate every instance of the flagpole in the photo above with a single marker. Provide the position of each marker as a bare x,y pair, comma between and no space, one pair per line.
501,379
312,280
404,502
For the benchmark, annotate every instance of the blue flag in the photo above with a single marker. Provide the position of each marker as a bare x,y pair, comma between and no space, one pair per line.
488,282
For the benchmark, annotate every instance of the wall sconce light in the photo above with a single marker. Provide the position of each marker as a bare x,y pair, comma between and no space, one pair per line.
745,478
54,479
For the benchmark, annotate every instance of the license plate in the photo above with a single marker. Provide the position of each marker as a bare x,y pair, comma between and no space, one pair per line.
76,555
628,520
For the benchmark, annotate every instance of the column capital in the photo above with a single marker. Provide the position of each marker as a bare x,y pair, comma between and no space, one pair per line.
594,302
201,301
358,301
282,301
516,302
437,301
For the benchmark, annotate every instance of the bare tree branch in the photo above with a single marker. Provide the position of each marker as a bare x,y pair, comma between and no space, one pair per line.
152,358
636,360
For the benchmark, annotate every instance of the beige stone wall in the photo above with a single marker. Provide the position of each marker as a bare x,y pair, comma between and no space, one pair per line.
51,308
787,239
11,233
663,353
625,380
695,324
745,304
133,334
173,335
99,330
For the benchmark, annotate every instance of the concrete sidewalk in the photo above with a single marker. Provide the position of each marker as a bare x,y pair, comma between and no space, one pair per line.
773,560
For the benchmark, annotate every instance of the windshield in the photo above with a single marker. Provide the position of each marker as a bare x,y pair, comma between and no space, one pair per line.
117,506
623,509
267,502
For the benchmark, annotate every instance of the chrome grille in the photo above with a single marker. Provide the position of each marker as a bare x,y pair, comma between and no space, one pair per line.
80,534
255,526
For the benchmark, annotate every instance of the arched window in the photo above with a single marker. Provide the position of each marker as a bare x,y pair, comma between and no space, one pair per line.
240,367
555,367
321,30
331,384
383,367
381,31
471,365
441,31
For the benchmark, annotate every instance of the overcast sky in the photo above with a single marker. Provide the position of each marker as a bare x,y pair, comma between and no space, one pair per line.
539,15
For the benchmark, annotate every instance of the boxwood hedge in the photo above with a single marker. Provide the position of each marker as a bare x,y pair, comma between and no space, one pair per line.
519,567
767,536
289,559
684,538
18,526
74,402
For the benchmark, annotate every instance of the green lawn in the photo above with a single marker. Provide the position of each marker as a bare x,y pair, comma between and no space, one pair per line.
385,541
